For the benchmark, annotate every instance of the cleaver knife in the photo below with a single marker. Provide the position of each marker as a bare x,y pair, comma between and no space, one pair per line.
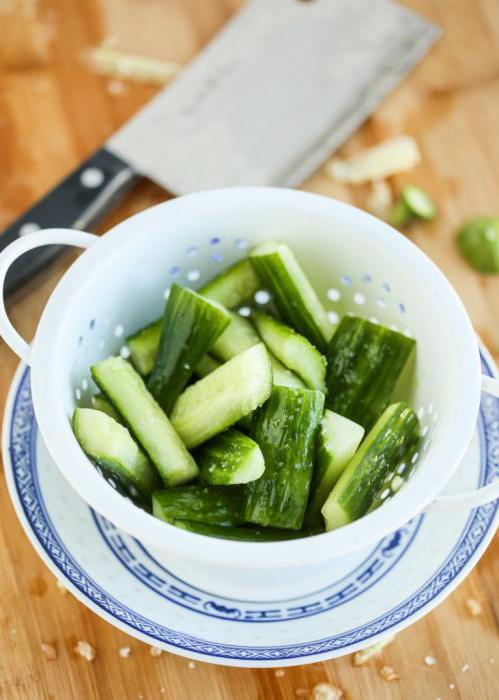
282,85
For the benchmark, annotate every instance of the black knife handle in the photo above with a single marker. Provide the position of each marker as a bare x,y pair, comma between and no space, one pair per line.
78,201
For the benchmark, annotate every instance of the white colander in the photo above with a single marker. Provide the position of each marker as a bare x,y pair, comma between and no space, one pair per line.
357,264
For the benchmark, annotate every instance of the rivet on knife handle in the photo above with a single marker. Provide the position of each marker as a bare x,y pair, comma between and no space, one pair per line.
78,201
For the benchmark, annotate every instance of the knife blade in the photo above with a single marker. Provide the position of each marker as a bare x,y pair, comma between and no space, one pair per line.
281,86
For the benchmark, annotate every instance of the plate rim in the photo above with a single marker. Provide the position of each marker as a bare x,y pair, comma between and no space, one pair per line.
207,656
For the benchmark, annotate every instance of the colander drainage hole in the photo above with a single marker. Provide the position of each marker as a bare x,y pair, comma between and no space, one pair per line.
217,257
91,325
175,271
262,296
346,281
333,317
125,352
192,251
119,330
333,294
166,293
215,240
359,298
367,278
240,243
193,275
244,311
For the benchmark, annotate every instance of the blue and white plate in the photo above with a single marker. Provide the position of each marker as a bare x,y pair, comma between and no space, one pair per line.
370,595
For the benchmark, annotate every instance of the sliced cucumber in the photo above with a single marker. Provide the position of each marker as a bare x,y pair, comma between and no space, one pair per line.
295,298
240,336
206,365
292,349
218,505
337,441
285,428
223,397
478,242
242,534
143,346
101,403
145,418
413,203
191,325
233,286
394,434
229,458
365,361
110,445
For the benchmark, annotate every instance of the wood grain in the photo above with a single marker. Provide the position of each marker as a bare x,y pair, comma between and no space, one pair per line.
53,112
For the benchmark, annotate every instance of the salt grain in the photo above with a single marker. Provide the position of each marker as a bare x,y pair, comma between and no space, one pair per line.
86,650
465,668
430,660
48,651
452,686
115,87
279,673
124,652
301,692
191,664
388,674
155,651
327,691
492,660
474,607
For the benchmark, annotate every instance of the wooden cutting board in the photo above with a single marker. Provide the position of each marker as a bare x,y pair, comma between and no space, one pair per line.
53,112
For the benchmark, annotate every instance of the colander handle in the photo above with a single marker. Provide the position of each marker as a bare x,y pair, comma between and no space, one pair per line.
51,236
477,497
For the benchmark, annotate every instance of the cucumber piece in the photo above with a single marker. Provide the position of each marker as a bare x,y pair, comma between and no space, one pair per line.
126,390
394,434
242,534
294,296
110,445
235,285
239,336
282,376
218,505
285,428
413,203
206,365
223,397
229,458
101,403
292,349
191,325
419,203
365,361
143,346
478,242
337,441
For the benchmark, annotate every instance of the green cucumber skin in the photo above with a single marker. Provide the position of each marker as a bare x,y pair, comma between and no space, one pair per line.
191,324
365,361
224,460
138,476
143,346
285,428
216,505
242,534
146,419
223,397
293,350
292,292
394,480
395,433
234,286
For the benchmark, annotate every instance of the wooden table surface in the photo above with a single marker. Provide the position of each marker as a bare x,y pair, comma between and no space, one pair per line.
53,112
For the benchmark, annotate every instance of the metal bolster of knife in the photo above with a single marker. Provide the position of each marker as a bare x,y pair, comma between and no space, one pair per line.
79,201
